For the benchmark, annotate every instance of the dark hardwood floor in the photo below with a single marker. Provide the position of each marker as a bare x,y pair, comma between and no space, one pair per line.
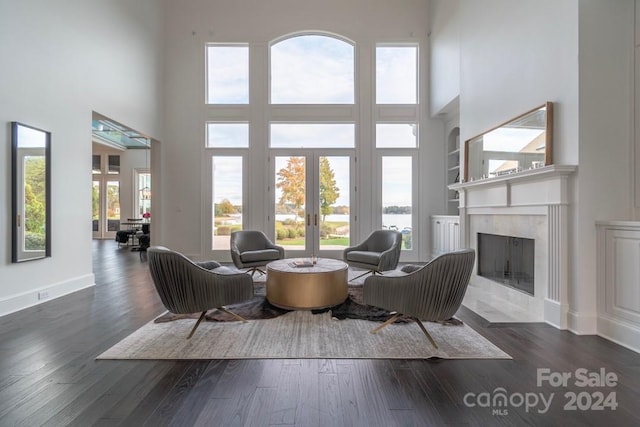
49,375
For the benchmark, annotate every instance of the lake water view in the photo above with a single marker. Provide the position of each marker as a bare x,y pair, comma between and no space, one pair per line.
388,220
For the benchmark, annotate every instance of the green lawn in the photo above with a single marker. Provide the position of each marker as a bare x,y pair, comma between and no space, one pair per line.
299,241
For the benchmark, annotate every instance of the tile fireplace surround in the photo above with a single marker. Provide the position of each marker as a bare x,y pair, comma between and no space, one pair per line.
531,204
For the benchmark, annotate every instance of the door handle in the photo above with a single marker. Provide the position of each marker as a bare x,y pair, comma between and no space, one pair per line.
315,220
308,219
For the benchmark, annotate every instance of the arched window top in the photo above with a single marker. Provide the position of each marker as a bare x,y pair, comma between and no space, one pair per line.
312,69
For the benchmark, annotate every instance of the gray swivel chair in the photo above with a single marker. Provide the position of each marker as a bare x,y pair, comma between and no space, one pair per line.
379,252
432,292
186,287
252,249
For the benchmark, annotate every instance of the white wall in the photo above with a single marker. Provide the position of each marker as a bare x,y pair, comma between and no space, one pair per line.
605,144
578,54
636,116
516,55
445,55
61,60
192,23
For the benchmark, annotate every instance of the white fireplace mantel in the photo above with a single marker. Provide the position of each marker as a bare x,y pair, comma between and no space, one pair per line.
534,187
516,201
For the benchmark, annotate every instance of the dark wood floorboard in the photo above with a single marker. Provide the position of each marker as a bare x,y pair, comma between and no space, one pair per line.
49,374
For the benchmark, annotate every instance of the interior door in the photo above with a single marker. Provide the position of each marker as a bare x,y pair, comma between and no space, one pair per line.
312,202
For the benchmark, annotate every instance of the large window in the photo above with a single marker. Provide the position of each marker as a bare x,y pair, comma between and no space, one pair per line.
227,74
310,142
227,135
396,135
312,69
312,135
396,74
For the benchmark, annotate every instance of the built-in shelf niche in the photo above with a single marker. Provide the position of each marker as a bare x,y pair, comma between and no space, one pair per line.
453,169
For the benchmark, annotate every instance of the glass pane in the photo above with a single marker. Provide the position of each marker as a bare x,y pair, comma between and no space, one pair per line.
113,205
227,199
396,135
144,199
396,75
227,74
95,168
114,165
290,202
227,135
312,135
334,202
312,70
34,203
96,206
397,196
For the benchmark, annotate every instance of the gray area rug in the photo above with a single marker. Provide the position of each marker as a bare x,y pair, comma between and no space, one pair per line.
301,335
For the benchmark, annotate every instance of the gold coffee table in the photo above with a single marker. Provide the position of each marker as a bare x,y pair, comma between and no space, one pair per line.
294,287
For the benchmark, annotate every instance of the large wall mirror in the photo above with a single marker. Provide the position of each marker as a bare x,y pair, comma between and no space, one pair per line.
522,143
31,192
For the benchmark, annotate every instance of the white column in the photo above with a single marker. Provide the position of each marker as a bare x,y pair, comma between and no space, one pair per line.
556,300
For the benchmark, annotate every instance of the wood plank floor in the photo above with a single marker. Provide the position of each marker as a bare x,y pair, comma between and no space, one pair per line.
49,375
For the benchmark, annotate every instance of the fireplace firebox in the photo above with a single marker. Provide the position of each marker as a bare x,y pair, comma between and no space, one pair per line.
508,260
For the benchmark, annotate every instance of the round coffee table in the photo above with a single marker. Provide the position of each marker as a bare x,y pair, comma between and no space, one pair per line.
299,287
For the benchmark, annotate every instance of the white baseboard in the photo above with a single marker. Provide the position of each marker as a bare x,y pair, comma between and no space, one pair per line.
561,317
555,313
622,333
24,300
582,324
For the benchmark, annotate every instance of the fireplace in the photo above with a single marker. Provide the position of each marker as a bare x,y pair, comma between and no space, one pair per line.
508,260
533,204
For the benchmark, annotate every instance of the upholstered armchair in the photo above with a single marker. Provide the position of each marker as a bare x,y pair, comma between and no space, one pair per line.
432,292
379,252
186,287
252,249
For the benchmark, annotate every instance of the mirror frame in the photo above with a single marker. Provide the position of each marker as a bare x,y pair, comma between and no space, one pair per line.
548,155
17,186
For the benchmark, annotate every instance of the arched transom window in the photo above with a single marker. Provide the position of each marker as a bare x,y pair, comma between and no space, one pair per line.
312,69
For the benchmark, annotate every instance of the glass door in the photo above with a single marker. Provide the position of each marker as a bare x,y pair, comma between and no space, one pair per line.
106,208
97,211
105,196
113,208
312,202
333,204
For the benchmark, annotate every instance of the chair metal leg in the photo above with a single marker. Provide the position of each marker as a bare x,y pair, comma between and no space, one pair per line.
363,274
253,270
387,323
226,310
433,343
197,324
372,272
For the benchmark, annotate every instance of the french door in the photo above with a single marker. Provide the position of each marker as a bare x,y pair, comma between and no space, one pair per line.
106,207
312,201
